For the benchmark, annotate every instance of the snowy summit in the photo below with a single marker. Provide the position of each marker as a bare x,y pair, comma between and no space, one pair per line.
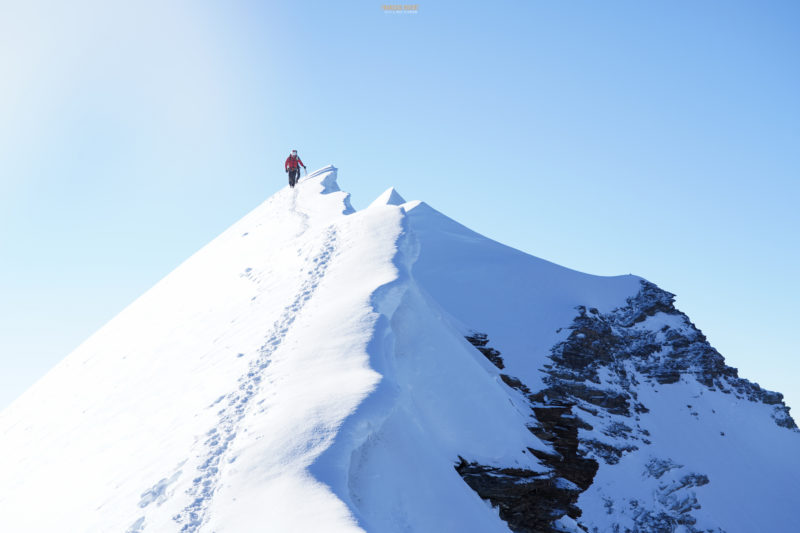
316,368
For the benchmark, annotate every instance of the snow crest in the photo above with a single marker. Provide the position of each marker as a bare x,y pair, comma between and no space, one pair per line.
317,368
389,197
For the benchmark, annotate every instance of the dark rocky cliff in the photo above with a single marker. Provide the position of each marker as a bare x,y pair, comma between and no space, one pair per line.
594,374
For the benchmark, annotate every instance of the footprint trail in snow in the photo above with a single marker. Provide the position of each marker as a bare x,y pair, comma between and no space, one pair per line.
217,441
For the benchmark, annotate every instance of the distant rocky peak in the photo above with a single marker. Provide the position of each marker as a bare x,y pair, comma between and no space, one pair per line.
591,413
655,339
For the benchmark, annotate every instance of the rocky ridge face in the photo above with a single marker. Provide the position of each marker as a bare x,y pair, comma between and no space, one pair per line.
590,413
529,501
624,343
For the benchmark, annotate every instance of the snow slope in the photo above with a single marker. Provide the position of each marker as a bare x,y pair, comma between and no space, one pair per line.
203,404
308,371
139,420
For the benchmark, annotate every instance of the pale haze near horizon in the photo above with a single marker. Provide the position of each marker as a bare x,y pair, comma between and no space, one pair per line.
657,139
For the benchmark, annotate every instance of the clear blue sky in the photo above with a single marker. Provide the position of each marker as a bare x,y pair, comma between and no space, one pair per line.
660,138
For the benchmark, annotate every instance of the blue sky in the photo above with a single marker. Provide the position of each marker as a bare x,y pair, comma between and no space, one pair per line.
660,138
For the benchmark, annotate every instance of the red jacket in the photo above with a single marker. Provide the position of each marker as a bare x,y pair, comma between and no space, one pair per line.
291,162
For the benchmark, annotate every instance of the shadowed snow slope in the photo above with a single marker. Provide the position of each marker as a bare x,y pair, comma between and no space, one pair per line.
308,370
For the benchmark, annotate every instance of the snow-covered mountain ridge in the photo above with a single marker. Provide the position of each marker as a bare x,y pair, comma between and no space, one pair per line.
315,368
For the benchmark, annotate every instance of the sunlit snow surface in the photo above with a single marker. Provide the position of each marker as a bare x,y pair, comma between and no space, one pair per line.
307,371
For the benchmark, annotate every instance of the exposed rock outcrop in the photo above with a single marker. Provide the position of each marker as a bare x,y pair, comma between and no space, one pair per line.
528,501
622,341
590,413
480,341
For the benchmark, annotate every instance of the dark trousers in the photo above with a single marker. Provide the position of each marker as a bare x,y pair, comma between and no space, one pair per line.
294,176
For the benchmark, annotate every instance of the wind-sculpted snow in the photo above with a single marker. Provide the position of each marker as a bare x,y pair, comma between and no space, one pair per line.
392,460
319,369
153,422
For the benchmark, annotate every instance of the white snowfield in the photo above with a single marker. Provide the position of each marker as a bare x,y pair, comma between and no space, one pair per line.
307,371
